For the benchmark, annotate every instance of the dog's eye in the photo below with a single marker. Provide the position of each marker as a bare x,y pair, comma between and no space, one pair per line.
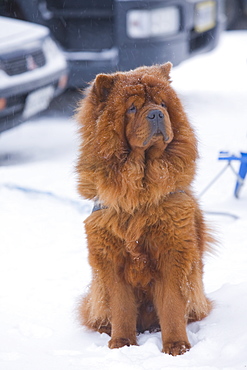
163,105
132,109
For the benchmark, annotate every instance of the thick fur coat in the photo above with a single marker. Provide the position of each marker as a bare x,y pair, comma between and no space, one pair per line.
146,242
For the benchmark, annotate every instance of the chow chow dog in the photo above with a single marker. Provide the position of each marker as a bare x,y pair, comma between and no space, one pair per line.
146,236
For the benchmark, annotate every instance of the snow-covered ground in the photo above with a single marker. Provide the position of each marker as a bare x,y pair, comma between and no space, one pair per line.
43,265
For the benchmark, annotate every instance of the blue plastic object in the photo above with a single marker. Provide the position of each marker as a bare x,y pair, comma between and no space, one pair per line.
226,156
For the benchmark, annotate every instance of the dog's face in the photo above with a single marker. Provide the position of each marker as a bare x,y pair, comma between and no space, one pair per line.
135,137
138,112
147,120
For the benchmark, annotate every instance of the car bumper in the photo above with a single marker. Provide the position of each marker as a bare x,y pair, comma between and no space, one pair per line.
83,66
148,53
18,96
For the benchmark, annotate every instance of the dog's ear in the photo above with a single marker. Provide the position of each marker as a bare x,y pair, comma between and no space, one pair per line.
102,86
166,69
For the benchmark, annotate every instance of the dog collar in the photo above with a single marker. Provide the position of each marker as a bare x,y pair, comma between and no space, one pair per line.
98,206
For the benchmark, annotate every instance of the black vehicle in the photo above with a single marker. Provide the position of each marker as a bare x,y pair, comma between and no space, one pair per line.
108,35
236,13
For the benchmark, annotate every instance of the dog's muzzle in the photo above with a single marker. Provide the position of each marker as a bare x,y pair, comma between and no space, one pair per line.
156,121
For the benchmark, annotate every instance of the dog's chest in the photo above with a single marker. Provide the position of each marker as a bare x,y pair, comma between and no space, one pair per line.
140,265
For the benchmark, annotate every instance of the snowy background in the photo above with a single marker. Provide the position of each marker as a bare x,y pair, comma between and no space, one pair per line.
43,265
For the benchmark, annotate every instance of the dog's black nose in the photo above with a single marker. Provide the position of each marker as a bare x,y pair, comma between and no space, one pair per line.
155,116
156,121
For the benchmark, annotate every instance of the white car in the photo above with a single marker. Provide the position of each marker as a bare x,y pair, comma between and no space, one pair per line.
33,71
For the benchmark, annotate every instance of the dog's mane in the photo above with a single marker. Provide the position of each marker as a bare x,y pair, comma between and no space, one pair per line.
107,168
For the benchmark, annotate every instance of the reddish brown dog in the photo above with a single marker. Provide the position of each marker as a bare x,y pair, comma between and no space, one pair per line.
147,238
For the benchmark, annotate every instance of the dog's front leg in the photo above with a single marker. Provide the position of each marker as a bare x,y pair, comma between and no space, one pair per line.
171,308
123,315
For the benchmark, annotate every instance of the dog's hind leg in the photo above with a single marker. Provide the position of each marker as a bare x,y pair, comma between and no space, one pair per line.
94,310
198,305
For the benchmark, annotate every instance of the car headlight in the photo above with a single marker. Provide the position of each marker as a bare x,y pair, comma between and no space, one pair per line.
205,16
50,48
151,23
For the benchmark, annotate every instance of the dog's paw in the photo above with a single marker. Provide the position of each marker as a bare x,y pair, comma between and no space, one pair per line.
176,348
121,342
